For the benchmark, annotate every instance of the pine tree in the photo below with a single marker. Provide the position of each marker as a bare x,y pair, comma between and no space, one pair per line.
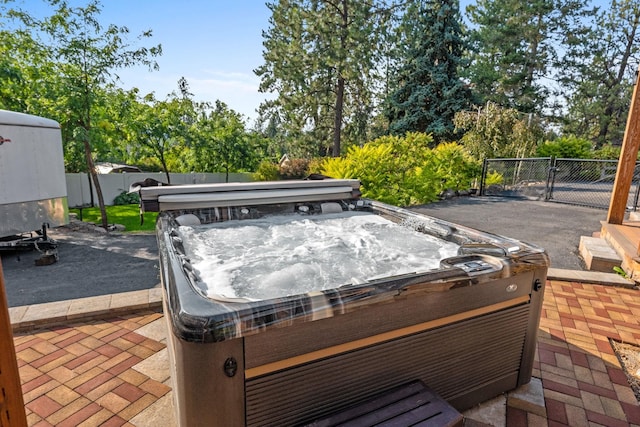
429,91
516,48
320,60
599,72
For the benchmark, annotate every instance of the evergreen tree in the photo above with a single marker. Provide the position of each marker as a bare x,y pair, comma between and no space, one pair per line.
515,46
428,91
599,72
321,60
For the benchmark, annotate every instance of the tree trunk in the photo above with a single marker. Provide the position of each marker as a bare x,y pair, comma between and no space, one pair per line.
96,183
605,120
624,62
337,124
165,168
533,55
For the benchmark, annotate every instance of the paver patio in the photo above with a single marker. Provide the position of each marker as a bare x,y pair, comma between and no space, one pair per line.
113,370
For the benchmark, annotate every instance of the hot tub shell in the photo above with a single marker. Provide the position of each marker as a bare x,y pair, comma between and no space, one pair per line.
467,329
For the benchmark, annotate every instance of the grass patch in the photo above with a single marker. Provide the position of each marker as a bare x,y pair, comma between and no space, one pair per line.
127,215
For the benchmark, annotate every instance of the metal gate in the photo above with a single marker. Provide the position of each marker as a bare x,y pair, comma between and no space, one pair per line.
582,182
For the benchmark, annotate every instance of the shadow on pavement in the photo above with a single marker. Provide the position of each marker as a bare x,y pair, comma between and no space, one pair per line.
90,264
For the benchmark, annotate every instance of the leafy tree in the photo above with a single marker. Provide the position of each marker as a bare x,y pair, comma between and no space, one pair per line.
320,58
220,142
270,128
566,147
11,74
28,82
493,132
84,57
429,91
157,128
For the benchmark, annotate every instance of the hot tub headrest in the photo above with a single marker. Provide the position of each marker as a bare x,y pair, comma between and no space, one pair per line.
188,219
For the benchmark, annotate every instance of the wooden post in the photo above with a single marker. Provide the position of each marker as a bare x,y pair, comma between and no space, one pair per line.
627,162
12,413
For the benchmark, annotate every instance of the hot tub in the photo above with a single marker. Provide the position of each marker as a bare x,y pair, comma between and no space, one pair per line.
465,323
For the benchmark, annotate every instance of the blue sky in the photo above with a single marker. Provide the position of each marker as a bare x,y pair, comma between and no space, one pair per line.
214,44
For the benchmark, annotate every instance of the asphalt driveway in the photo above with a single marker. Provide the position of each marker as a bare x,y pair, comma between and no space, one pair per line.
553,226
90,264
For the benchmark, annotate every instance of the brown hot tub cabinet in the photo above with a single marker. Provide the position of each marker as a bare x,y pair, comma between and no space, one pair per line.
466,329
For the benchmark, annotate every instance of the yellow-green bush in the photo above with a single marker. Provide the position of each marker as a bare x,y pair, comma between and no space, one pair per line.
494,178
267,171
455,166
404,170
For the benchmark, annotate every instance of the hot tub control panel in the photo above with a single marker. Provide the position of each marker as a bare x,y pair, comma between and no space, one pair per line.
473,264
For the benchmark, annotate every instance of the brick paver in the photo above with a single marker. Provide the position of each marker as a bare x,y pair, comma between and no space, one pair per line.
583,381
82,374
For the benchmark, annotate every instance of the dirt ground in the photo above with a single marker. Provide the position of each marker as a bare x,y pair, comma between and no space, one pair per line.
629,356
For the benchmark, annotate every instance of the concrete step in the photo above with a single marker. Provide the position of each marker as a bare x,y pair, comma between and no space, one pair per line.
625,240
598,255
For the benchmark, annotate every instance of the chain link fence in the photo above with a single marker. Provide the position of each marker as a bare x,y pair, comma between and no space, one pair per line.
583,182
516,177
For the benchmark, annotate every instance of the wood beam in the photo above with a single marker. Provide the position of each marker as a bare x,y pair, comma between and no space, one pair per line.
12,413
627,161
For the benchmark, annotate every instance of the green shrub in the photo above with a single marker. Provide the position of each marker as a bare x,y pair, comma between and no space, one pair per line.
608,152
494,178
404,170
372,165
315,165
267,171
566,147
455,166
126,198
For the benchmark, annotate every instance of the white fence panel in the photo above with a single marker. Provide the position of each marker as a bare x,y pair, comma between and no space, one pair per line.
79,187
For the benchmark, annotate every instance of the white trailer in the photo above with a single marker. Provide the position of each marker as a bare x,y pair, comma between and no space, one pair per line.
33,190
